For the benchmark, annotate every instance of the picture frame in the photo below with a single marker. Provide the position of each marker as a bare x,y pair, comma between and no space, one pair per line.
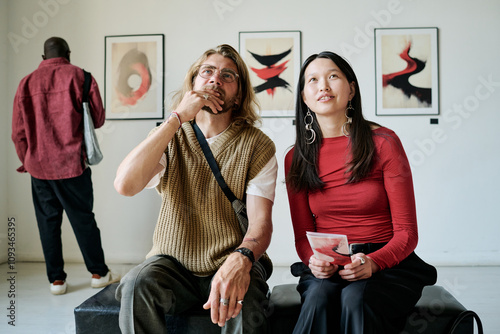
133,77
273,59
406,71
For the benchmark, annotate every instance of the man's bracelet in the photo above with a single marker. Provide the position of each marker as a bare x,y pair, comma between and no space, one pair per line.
246,252
176,116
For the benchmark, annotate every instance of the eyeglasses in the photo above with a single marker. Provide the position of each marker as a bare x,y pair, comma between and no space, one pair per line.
226,75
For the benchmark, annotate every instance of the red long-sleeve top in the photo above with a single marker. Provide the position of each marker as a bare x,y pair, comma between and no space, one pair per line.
379,208
47,126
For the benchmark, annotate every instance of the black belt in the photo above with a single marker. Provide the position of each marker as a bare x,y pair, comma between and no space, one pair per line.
367,248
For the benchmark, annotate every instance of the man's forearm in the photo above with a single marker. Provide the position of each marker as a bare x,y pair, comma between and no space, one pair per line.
260,226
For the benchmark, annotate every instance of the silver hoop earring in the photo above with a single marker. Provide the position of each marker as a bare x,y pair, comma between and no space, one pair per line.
348,114
308,127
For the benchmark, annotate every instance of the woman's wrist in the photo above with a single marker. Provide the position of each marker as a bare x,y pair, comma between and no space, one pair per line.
374,266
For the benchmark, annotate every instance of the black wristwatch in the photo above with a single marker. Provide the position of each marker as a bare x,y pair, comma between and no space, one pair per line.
247,252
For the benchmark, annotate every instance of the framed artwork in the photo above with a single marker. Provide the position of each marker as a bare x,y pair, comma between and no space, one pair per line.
406,71
273,59
134,77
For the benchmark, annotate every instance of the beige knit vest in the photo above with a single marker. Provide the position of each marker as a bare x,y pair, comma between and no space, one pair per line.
197,224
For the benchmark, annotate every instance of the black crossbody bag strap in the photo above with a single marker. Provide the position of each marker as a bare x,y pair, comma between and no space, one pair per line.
86,86
238,205
212,163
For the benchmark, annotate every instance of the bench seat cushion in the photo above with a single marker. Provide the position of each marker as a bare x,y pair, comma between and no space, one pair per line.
434,313
99,314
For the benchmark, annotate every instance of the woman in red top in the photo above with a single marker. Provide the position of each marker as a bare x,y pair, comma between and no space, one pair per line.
346,175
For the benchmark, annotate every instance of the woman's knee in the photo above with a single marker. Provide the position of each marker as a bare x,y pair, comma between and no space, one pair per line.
353,296
321,294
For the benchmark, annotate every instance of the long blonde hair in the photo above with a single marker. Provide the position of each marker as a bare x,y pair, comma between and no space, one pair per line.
248,110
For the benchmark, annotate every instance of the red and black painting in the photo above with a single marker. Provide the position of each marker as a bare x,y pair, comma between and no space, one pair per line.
406,71
273,60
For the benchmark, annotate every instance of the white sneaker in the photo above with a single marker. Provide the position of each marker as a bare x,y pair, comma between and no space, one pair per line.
58,287
101,282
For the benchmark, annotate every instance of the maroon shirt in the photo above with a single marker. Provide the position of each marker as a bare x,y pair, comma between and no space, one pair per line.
47,124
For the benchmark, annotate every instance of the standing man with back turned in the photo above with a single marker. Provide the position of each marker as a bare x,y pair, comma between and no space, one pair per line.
47,130
200,257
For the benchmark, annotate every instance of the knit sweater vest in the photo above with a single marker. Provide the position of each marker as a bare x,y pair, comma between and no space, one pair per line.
197,224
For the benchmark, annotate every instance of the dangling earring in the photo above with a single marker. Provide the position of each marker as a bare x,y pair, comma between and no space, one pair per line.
348,114
308,126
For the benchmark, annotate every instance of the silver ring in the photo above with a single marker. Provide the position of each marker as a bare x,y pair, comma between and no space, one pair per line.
363,261
240,302
206,96
224,301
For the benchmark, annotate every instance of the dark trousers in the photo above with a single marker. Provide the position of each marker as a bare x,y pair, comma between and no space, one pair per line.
161,285
75,197
379,304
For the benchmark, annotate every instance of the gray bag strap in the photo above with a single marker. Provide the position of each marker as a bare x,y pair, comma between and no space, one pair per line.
91,144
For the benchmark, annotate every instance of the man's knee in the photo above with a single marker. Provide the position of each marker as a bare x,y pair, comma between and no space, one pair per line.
141,280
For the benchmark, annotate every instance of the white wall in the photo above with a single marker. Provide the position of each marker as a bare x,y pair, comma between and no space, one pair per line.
455,173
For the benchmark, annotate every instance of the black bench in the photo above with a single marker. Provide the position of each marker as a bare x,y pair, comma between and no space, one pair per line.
436,312
99,314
